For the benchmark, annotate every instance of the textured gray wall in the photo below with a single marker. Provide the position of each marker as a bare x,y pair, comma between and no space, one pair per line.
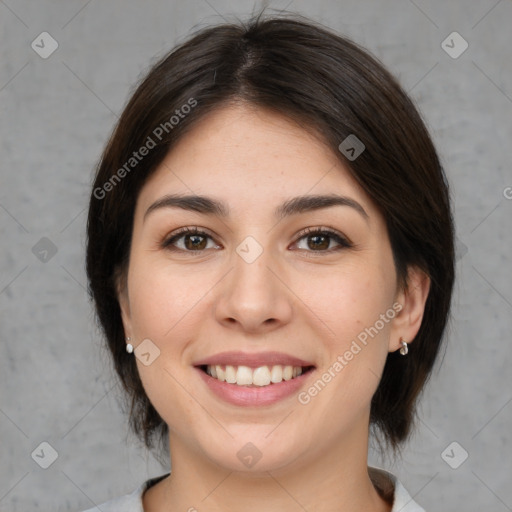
56,113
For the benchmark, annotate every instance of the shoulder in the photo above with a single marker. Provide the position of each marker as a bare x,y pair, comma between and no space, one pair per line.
129,502
392,489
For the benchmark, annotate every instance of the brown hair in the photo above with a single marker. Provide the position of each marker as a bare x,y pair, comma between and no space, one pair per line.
335,89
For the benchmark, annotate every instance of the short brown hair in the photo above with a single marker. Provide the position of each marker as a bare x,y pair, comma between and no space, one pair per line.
334,88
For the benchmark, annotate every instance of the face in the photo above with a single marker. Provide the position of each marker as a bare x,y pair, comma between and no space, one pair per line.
263,281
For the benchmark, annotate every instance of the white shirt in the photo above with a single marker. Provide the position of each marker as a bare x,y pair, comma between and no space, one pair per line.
386,483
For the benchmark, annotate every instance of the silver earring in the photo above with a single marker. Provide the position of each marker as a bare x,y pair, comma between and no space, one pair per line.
129,346
404,350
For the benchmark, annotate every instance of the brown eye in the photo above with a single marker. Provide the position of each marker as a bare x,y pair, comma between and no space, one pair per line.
189,240
195,242
320,240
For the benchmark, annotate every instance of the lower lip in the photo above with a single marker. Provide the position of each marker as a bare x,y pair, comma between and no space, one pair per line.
253,396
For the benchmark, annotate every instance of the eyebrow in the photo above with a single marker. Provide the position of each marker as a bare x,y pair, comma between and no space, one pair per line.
210,206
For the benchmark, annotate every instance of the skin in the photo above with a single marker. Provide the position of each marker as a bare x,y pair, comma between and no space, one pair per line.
295,298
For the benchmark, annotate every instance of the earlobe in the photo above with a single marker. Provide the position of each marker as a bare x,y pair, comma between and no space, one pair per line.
413,298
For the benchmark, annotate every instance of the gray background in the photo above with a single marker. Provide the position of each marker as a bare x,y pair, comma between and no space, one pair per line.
56,114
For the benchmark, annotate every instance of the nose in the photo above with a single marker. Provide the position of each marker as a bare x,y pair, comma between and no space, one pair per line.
253,297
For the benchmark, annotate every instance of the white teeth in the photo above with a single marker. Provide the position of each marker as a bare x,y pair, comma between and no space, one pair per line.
261,376
230,375
243,375
277,374
221,374
288,372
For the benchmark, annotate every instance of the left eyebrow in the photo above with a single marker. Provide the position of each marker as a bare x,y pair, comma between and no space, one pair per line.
302,204
295,205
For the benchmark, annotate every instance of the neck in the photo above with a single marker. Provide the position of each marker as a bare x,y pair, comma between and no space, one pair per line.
335,480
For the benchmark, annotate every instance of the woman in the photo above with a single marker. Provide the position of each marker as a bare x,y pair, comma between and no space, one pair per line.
270,253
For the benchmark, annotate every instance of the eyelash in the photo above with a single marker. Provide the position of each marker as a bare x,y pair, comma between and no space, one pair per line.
343,242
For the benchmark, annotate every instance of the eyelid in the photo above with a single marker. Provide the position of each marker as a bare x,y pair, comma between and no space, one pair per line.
344,241
178,233
193,230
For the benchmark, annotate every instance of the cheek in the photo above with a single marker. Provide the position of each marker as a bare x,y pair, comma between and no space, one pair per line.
163,305
357,307
349,302
161,299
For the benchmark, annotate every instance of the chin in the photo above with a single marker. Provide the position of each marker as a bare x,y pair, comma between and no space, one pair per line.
253,454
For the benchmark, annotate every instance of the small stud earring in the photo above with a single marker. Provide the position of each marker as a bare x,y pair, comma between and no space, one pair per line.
404,350
129,346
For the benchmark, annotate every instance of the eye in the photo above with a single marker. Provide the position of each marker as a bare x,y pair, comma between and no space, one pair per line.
189,240
321,239
315,240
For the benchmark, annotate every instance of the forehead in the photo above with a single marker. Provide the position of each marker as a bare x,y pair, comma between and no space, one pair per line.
251,158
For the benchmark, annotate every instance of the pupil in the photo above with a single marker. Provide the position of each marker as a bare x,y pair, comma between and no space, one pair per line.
196,242
318,238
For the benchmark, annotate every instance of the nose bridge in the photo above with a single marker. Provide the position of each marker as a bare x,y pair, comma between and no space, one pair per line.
252,294
252,279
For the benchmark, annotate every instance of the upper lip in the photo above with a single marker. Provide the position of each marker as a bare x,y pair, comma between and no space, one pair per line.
252,360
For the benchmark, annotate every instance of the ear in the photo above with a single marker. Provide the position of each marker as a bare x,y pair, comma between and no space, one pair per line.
120,279
412,298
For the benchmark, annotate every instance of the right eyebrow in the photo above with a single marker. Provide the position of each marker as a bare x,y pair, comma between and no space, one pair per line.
201,204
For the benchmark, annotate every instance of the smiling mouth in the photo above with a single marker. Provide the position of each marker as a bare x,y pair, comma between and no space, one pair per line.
254,377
